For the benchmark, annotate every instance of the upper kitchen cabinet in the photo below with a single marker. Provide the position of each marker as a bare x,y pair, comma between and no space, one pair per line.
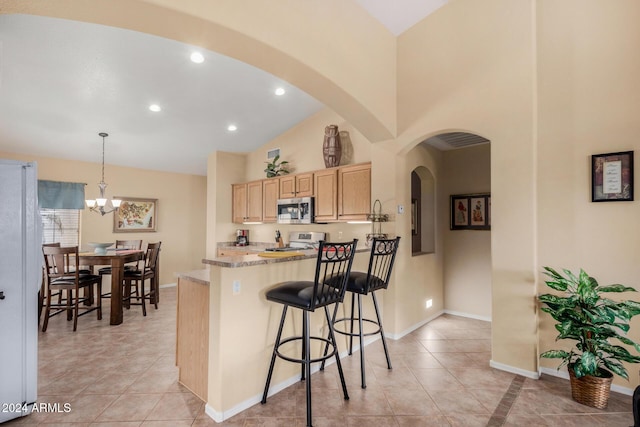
247,202
270,196
326,195
354,192
343,193
298,185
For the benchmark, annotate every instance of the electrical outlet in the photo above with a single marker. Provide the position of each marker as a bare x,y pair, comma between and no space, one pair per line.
236,287
400,209
429,303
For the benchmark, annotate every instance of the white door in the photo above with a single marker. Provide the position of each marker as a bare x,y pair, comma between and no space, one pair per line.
19,283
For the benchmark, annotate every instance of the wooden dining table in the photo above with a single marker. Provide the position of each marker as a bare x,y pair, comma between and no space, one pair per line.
116,259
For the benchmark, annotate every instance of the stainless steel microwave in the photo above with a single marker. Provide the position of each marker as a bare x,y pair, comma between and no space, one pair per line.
295,211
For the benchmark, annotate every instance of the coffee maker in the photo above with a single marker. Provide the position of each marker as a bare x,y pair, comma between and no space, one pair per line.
242,237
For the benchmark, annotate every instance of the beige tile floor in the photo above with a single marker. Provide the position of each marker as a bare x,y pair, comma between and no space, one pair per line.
125,376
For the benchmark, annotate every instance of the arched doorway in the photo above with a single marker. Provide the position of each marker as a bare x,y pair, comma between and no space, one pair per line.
465,169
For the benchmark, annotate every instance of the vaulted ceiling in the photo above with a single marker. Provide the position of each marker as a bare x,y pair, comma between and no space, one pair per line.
62,82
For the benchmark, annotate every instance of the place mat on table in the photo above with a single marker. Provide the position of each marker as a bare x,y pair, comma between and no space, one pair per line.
280,254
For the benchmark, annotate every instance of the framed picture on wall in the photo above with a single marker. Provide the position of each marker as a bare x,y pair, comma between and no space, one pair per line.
470,211
135,215
612,177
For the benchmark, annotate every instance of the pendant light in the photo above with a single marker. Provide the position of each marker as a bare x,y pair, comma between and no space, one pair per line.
99,205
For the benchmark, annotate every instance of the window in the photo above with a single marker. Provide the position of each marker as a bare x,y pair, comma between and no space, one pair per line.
60,205
61,225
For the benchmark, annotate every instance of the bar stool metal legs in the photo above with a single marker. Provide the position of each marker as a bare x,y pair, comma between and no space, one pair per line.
383,252
328,288
360,332
306,359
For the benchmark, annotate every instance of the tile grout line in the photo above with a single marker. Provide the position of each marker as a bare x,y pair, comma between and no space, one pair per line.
499,416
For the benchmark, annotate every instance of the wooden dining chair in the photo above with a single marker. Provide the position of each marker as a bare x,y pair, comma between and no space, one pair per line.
121,244
63,275
43,286
134,280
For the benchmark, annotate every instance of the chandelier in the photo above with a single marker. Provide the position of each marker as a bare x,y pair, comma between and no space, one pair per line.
99,205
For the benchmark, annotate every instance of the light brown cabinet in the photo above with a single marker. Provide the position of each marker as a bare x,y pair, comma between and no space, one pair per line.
326,200
343,193
270,196
192,337
298,185
354,192
247,202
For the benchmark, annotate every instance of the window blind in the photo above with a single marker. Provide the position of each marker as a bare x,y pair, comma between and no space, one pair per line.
61,225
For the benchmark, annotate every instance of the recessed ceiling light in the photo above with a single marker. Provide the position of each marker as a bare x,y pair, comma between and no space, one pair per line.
280,91
232,128
197,57
155,108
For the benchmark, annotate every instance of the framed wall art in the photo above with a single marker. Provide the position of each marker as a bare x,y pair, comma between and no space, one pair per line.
612,177
470,211
135,215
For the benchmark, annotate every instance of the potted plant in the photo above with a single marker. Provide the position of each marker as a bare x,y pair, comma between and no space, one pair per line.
276,169
598,325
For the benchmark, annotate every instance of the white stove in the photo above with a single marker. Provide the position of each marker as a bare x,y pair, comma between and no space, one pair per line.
302,240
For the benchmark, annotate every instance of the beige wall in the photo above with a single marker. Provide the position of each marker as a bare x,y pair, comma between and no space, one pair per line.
478,76
181,207
416,278
467,253
301,146
589,102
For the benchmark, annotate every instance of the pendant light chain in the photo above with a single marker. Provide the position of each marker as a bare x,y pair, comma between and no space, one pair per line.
103,136
98,205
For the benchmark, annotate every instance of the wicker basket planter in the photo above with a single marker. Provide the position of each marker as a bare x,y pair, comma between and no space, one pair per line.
591,391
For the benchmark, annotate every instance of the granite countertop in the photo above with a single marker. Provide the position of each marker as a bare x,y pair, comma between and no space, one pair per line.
255,259
254,246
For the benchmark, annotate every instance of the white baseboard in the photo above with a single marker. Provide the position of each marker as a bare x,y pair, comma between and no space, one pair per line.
219,417
168,285
413,328
564,374
467,315
529,374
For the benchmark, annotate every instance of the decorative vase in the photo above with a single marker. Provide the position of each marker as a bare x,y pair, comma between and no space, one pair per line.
332,147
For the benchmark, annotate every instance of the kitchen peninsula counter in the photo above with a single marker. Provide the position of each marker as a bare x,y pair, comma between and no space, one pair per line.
226,327
256,259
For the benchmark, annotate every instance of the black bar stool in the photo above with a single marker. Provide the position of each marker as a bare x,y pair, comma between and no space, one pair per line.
383,255
332,271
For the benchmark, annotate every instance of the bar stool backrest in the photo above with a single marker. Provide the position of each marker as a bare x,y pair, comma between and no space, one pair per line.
332,272
383,256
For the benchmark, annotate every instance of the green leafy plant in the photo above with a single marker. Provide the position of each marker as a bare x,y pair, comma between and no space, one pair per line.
593,321
276,169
